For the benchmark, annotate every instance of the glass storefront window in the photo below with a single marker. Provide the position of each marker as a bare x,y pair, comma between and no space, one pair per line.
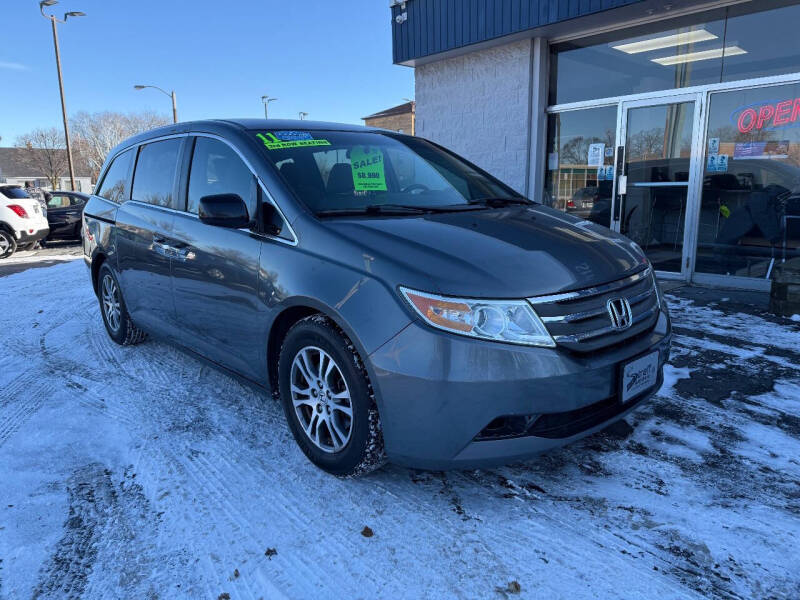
631,66
770,41
719,46
580,157
750,207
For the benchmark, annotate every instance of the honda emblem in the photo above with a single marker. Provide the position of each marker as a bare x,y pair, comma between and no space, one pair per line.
619,309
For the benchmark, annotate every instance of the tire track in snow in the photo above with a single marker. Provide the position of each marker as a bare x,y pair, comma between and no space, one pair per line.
103,525
26,395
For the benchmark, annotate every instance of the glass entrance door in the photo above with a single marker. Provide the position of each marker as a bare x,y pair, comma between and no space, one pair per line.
655,190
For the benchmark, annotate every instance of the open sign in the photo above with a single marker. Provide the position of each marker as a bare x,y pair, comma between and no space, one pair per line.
772,114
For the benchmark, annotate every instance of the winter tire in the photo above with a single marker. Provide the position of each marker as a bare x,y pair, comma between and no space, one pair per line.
328,400
8,245
115,315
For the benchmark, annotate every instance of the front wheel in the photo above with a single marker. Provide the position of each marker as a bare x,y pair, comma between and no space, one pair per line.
8,244
328,400
115,315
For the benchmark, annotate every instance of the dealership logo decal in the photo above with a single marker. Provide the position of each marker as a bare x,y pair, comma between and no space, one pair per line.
619,309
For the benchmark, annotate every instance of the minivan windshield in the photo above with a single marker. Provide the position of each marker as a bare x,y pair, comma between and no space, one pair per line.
343,172
13,191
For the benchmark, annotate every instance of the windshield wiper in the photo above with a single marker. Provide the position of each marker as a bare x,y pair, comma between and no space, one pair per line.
373,209
394,209
500,202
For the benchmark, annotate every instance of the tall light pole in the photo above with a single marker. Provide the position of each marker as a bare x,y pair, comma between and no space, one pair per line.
303,115
170,94
53,21
413,115
266,100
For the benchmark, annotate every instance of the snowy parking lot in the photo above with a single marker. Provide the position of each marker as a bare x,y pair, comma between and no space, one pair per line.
140,472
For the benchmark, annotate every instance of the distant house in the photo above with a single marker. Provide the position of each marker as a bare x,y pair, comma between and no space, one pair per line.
19,165
398,118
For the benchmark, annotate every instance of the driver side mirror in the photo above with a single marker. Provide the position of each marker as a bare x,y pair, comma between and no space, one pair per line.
224,210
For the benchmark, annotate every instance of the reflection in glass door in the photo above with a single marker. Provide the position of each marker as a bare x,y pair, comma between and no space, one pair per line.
655,194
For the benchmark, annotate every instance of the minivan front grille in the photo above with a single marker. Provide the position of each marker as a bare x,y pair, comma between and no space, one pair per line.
582,321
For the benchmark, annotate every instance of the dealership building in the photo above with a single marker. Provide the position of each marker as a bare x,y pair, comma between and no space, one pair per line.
675,122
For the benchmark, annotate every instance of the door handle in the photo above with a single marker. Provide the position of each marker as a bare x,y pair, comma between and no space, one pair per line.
172,249
161,246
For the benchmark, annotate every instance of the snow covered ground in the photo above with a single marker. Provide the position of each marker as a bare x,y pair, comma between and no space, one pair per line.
142,473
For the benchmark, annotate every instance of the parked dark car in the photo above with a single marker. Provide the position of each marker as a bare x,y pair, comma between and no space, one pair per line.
64,210
402,303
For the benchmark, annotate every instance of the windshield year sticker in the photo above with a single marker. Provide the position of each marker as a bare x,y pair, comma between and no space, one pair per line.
368,173
289,139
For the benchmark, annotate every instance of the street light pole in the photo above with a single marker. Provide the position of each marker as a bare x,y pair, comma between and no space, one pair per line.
170,94
53,21
174,107
266,100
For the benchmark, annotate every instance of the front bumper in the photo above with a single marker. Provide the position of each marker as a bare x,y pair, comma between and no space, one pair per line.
437,392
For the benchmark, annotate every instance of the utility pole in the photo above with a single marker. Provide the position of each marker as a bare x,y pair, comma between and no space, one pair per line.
413,115
53,21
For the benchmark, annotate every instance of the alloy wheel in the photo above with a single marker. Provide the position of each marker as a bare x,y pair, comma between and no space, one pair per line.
111,306
321,399
4,244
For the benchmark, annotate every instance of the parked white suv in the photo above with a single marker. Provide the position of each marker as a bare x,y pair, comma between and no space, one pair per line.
22,220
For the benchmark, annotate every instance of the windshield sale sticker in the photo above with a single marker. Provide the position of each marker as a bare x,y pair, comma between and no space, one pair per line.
279,140
367,166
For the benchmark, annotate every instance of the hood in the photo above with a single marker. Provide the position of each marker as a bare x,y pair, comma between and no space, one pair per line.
512,252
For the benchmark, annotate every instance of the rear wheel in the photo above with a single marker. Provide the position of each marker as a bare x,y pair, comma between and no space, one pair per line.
8,244
115,315
328,400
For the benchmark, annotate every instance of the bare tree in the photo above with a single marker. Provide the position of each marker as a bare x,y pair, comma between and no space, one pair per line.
97,133
46,151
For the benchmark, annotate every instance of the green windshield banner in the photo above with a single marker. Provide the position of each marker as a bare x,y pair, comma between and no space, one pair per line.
368,173
274,143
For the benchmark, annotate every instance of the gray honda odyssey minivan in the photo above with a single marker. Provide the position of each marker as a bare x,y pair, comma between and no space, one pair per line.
401,303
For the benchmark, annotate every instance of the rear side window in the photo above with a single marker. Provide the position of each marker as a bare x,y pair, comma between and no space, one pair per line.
58,202
64,201
155,176
115,183
217,169
13,191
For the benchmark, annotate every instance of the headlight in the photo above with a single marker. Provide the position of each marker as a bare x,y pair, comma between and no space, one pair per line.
511,321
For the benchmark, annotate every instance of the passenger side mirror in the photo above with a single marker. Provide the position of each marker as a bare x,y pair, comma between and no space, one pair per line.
223,210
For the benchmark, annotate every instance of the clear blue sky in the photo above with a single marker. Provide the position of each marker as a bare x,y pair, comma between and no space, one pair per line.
332,59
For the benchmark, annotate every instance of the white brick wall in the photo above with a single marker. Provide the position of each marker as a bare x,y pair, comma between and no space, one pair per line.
478,106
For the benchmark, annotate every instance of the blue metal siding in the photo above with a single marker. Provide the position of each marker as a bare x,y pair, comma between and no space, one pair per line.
435,26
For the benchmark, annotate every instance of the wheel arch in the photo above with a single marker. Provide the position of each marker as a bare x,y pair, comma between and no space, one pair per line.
299,309
97,262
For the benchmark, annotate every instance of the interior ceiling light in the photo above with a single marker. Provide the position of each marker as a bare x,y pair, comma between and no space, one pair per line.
701,55
666,41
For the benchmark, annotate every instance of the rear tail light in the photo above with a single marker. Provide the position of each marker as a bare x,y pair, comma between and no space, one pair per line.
570,204
21,212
